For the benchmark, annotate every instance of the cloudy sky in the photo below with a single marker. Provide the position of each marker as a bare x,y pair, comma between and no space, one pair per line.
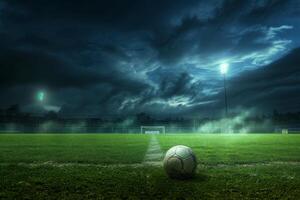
98,58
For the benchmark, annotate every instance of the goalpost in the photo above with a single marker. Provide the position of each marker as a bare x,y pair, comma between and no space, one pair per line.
291,130
285,131
153,129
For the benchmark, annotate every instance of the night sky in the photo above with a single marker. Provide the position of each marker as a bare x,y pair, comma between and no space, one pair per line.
161,57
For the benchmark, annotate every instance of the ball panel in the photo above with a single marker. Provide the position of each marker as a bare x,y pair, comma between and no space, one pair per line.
189,165
182,151
173,166
171,152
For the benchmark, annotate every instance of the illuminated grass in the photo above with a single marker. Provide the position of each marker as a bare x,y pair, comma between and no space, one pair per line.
231,167
238,148
81,148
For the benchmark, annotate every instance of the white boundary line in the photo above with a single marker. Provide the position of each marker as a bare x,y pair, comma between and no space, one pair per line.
144,164
154,153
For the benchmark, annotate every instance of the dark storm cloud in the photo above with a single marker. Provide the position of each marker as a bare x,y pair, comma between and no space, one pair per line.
178,86
127,14
264,11
221,34
274,86
21,68
124,57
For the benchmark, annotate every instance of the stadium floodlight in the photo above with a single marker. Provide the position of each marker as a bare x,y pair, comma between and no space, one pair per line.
224,69
41,96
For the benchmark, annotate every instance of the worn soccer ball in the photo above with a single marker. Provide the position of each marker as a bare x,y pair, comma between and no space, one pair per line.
180,162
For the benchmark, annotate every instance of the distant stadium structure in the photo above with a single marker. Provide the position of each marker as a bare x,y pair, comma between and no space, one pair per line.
13,120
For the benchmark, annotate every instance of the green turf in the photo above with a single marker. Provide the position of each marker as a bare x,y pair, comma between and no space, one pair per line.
81,148
231,167
238,148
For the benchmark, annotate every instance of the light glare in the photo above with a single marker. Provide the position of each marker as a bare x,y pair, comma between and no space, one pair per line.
41,96
224,68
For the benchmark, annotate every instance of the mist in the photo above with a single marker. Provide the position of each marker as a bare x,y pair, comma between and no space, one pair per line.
239,123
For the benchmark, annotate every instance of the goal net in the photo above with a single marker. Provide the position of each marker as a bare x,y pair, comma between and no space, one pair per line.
285,131
153,130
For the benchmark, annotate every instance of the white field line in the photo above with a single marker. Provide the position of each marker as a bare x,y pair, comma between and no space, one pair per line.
144,164
154,154
74,164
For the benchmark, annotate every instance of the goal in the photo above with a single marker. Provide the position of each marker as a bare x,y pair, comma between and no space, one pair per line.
293,130
289,130
285,131
153,130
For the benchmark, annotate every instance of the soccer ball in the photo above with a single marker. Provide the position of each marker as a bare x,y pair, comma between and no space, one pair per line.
180,162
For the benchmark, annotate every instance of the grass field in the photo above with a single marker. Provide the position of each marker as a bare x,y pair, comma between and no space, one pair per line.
103,166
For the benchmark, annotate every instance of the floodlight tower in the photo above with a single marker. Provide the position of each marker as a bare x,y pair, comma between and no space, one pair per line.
224,69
